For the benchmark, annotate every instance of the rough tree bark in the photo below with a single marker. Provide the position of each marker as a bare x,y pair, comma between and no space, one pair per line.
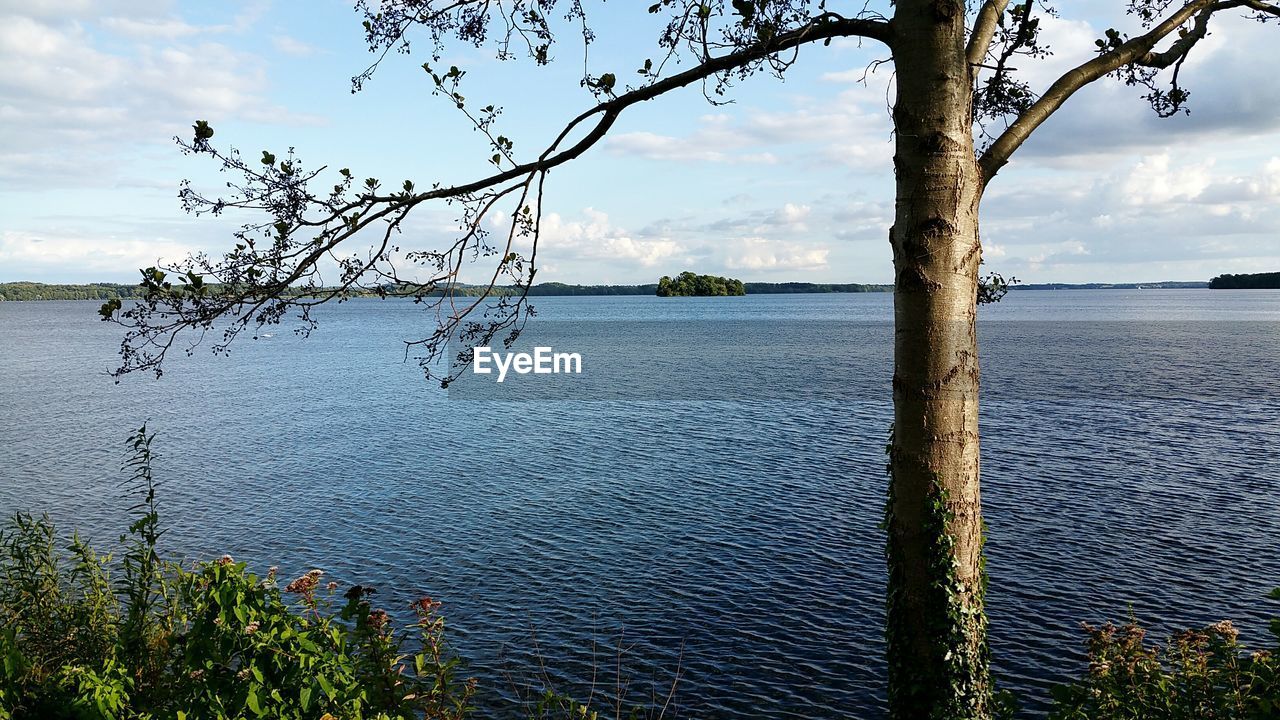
938,658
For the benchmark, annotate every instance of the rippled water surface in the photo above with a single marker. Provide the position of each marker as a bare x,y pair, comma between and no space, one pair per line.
726,532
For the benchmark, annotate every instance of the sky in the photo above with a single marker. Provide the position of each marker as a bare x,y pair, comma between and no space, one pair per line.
792,181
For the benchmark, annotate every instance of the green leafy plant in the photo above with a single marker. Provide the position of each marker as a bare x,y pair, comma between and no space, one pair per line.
212,641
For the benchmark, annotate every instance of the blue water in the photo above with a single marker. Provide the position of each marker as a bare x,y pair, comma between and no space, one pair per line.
726,534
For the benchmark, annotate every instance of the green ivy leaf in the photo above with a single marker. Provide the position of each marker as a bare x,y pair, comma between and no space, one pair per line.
326,686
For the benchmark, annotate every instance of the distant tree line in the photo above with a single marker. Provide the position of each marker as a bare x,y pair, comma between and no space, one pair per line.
113,291
1162,285
1254,281
40,291
762,288
558,288
690,284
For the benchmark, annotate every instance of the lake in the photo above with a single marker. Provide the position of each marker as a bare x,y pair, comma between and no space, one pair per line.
709,496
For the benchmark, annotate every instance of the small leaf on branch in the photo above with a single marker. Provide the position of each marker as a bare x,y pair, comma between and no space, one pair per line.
203,131
108,308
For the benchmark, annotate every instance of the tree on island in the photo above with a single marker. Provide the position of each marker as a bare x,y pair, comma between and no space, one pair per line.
960,112
689,284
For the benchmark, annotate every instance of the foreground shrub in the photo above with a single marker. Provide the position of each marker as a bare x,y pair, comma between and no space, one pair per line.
1200,674
87,636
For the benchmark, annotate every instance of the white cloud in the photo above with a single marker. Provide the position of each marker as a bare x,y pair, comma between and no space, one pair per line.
852,131
791,219
80,9
845,77
292,46
1163,216
1155,181
72,100
1071,247
792,215
706,146
92,256
594,237
154,28
762,254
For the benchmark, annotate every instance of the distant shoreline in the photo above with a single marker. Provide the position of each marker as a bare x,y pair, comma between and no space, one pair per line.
28,291
1166,285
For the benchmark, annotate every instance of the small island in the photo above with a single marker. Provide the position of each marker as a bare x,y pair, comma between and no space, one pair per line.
689,284
1254,281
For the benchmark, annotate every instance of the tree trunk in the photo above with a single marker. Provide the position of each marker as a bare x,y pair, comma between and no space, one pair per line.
938,657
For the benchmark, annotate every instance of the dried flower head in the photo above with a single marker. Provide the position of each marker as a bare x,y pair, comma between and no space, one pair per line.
306,584
1226,630
424,607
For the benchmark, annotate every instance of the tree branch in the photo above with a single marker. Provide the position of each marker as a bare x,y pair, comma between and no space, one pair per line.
1136,51
821,28
984,30
256,281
